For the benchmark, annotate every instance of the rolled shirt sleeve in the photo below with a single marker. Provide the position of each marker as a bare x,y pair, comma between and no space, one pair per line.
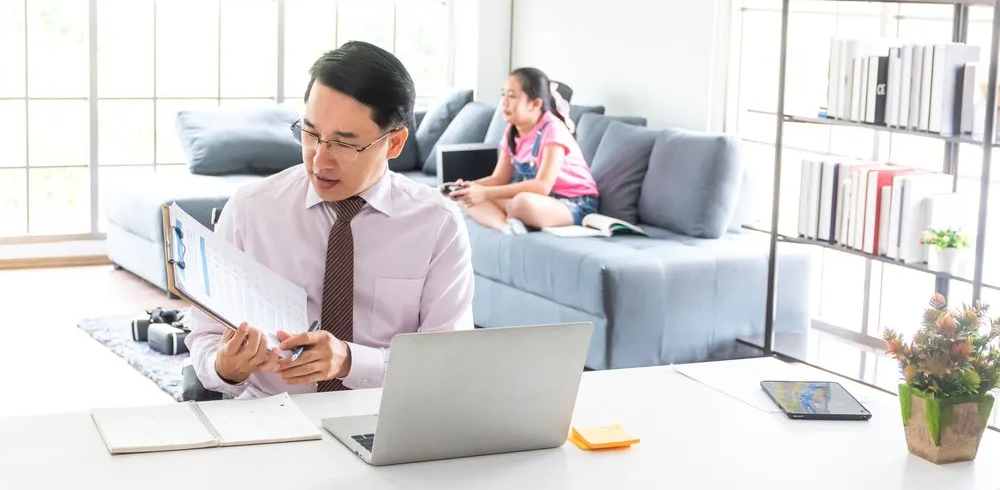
445,303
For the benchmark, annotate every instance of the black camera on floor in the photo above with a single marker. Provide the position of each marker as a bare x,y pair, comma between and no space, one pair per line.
140,326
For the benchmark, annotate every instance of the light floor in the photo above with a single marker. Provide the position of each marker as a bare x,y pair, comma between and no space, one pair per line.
48,364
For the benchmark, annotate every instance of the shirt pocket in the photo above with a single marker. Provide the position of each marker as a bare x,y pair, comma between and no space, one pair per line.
396,307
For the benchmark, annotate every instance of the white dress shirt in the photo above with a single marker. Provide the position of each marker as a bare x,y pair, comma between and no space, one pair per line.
412,268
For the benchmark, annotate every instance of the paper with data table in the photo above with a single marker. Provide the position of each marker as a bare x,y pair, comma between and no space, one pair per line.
226,283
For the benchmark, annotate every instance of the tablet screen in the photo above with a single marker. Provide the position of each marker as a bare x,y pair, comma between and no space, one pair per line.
813,397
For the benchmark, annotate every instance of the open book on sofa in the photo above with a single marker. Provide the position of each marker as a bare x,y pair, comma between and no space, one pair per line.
595,224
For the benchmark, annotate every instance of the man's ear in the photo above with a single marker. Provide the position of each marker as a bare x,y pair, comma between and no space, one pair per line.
397,140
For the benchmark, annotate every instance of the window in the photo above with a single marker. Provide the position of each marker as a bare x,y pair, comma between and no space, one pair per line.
65,136
895,296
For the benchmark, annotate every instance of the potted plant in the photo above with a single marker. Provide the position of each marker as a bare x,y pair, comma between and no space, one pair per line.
949,369
947,252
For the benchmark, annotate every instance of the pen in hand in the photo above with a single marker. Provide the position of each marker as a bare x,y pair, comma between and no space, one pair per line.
298,350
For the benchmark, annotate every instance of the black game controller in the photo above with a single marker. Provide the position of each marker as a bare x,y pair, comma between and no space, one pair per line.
449,187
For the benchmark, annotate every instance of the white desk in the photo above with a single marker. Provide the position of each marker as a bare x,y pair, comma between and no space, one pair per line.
693,437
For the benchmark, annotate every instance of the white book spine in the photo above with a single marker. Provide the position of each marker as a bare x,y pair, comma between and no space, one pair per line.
905,81
883,225
916,86
927,78
892,248
892,91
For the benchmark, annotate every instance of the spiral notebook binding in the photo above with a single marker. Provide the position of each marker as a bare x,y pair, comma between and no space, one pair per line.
198,412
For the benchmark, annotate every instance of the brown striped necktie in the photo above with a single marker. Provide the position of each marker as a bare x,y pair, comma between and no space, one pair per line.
338,280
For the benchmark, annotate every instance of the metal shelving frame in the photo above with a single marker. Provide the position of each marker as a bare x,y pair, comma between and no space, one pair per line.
987,142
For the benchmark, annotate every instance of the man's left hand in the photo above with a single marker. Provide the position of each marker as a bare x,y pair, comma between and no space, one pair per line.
325,357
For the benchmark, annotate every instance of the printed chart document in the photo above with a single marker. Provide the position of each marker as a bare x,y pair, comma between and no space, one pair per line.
226,283
195,425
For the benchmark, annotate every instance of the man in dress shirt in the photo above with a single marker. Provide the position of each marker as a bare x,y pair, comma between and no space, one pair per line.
411,255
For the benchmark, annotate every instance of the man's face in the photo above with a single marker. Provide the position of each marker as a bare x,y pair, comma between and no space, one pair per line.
336,170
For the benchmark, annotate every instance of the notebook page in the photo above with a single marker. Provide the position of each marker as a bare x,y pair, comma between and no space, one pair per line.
227,281
259,421
154,428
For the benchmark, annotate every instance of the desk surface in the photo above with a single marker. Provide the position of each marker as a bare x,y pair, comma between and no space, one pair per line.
693,436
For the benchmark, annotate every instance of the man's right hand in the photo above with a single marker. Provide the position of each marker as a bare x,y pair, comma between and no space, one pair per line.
242,353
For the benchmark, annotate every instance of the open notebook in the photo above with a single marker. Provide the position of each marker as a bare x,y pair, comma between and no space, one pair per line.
194,425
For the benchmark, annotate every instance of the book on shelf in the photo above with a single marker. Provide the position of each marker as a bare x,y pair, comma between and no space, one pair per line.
922,87
875,208
596,225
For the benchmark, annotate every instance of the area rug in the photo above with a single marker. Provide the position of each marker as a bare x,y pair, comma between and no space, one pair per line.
115,333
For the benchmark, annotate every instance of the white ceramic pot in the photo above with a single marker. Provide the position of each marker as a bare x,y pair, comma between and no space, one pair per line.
952,261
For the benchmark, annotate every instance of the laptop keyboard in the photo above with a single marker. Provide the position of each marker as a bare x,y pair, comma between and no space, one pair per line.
365,440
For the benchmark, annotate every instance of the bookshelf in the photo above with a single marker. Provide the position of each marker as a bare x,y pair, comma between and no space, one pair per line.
987,141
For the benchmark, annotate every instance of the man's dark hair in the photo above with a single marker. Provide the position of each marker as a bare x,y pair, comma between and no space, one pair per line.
370,75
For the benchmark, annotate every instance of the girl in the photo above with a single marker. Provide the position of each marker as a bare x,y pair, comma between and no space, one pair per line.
541,178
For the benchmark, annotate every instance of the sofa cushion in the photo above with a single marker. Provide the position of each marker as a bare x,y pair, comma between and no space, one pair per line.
566,271
577,111
619,166
135,207
437,119
692,184
497,127
592,127
239,141
468,126
408,158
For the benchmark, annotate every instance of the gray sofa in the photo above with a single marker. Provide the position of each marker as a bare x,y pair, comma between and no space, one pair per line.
683,294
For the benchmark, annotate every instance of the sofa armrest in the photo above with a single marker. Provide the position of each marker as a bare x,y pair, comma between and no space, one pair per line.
469,161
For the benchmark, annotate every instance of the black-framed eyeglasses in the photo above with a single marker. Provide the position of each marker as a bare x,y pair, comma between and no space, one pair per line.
338,149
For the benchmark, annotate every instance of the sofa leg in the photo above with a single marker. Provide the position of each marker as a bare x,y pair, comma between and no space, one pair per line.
172,295
117,267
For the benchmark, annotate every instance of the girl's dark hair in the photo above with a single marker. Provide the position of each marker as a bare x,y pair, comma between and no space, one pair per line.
535,84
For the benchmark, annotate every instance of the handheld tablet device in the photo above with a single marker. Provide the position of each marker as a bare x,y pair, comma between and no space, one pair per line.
815,400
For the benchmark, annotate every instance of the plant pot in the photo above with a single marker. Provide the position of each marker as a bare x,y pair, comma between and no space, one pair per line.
944,430
952,261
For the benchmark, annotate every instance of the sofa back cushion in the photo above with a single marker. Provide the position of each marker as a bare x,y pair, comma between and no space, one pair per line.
497,127
619,166
576,112
437,119
693,183
591,129
468,126
238,141
408,159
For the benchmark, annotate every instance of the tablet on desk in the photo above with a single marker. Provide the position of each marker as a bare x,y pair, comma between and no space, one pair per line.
816,400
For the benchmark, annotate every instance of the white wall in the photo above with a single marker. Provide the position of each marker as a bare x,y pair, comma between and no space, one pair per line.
661,59
482,46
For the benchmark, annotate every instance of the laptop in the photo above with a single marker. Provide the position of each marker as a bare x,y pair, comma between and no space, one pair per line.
469,161
471,393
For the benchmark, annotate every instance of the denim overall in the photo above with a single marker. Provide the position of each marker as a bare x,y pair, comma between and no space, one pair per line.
578,206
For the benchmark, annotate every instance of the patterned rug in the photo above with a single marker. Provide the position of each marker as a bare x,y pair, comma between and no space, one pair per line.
114,332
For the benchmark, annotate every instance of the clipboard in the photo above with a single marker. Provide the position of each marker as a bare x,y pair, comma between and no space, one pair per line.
174,251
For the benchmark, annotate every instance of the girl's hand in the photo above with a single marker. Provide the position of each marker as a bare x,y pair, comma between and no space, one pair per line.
471,195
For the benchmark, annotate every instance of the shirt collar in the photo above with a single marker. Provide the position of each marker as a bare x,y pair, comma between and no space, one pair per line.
378,196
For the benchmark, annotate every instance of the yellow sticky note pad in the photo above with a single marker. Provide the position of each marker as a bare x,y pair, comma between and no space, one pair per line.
602,437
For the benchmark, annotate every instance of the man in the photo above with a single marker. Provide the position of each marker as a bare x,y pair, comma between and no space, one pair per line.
377,253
